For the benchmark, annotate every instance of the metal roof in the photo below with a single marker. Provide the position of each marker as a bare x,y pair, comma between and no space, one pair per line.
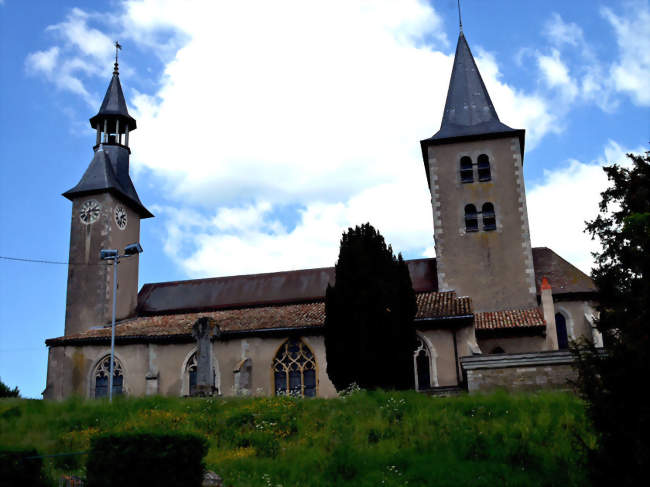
109,171
114,105
310,284
469,113
258,289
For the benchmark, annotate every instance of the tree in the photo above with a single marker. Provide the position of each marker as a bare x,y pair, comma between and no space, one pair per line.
369,332
613,382
5,391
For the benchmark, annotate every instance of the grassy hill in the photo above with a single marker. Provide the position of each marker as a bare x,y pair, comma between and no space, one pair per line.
364,439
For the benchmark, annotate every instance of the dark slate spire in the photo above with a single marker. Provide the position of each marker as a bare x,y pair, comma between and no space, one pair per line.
469,113
468,110
114,105
109,169
101,176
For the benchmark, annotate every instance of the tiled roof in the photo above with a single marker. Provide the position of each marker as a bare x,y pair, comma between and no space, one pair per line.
509,319
439,305
563,277
303,315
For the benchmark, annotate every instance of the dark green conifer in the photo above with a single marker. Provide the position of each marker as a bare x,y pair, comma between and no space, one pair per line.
369,333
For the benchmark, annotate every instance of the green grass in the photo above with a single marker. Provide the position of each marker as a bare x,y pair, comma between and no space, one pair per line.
365,439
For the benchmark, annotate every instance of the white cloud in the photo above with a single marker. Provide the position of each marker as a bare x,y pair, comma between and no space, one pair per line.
560,32
44,61
84,51
556,74
311,106
595,80
567,197
631,73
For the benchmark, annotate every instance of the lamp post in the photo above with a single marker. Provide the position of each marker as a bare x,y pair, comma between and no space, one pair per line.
114,255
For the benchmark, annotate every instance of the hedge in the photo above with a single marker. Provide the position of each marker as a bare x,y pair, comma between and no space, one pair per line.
16,468
146,459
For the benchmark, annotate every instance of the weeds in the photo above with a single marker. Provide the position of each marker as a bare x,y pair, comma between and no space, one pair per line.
360,439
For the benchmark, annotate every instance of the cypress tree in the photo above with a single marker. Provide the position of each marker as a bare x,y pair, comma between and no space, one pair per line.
369,333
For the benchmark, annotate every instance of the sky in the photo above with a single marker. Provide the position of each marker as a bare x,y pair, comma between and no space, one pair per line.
265,129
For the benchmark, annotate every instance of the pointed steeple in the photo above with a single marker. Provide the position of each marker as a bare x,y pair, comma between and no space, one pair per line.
468,109
469,113
109,168
114,105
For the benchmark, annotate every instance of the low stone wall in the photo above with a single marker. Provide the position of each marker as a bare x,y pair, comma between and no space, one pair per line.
519,371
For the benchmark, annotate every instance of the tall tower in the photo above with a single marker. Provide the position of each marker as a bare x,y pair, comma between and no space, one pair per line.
474,167
106,214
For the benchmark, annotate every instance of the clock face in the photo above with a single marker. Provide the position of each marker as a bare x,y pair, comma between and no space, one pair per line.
120,217
89,212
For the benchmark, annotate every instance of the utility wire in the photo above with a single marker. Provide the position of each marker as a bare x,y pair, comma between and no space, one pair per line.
41,261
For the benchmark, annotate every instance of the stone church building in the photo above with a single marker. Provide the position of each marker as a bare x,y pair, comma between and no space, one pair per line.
492,310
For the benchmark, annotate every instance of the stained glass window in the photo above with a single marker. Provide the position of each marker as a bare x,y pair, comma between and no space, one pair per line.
294,370
102,374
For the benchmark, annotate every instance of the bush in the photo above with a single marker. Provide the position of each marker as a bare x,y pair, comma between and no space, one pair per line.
146,459
16,468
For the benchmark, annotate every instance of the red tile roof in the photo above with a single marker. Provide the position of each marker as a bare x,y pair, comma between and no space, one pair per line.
509,319
302,315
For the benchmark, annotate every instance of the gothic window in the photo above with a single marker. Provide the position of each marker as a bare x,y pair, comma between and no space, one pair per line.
560,326
294,370
489,219
422,364
102,374
484,168
466,170
191,371
471,218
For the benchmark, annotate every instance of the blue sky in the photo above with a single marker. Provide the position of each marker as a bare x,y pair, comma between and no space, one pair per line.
266,128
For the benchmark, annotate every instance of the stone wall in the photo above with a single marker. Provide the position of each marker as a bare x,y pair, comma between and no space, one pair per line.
519,372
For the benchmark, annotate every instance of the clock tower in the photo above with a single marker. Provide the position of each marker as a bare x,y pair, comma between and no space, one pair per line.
106,214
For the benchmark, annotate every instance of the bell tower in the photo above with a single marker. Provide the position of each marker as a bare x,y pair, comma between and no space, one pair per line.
474,168
106,214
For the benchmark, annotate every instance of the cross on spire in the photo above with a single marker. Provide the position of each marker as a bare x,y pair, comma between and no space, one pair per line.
460,19
117,47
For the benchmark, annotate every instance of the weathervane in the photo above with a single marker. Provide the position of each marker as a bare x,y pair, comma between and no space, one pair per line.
460,19
117,47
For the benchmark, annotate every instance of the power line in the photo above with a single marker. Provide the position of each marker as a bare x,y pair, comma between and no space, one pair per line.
41,261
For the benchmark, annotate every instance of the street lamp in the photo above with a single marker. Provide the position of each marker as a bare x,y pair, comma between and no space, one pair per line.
114,255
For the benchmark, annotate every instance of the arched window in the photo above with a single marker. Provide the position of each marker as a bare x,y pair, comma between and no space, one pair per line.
102,374
191,372
422,364
498,350
562,337
484,168
489,218
471,218
466,170
294,370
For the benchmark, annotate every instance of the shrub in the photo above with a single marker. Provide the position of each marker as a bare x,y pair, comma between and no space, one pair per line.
146,459
17,468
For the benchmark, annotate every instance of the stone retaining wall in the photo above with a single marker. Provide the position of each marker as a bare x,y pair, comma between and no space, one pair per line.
519,372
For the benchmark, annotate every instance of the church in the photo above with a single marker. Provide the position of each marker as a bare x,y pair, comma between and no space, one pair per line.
492,310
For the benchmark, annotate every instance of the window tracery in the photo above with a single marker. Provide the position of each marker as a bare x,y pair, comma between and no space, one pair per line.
294,370
102,375
422,364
